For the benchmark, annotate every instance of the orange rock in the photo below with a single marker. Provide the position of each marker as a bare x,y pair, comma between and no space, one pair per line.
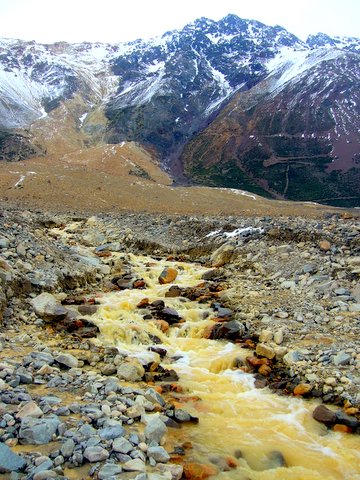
105,253
264,370
325,245
249,343
139,284
162,325
258,362
143,303
158,388
351,410
342,428
231,462
302,389
199,471
208,331
168,275
347,216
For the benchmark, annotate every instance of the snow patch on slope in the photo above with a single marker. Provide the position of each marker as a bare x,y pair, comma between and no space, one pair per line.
290,65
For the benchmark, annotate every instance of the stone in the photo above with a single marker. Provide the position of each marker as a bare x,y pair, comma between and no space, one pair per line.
159,454
168,275
265,351
341,358
174,291
155,430
122,445
135,465
131,371
154,397
67,448
199,471
87,309
175,471
292,357
96,454
279,336
345,419
30,409
354,307
4,243
324,245
222,255
10,461
112,429
324,415
266,336
108,471
38,431
67,360
45,474
47,307
302,389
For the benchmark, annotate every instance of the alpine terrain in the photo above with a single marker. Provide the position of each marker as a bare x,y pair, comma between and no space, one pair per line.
233,103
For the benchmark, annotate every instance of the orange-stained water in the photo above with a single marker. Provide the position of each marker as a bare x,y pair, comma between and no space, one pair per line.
235,418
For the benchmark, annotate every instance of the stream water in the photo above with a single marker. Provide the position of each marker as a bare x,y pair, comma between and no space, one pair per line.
236,420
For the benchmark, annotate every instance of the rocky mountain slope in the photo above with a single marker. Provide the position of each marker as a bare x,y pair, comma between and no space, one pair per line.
298,100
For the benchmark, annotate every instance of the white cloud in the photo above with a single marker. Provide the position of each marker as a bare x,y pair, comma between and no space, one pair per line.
118,20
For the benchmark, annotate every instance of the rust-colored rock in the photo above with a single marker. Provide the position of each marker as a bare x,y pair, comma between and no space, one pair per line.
302,389
168,275
140,283
265,370
162,325
347,216
143,303
199,471
257,362
338,427
351,410
324,245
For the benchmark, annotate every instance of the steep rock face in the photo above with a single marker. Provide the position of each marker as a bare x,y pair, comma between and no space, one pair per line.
294,135
172,86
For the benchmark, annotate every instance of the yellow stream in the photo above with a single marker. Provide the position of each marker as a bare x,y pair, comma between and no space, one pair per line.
234,416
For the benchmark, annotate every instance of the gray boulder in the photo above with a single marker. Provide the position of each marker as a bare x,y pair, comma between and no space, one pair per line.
96,454
155,430
38,431
108,471
10,461
47,307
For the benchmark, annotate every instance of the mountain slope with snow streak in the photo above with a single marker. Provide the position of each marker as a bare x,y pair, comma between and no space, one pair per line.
280,99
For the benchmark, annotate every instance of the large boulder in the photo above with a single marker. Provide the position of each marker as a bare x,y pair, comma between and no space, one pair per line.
47,307
38,431
10,461
222,255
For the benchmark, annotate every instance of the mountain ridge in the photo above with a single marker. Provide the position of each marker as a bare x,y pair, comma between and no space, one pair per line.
165,92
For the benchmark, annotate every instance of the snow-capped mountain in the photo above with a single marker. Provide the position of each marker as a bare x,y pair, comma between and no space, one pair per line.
164,92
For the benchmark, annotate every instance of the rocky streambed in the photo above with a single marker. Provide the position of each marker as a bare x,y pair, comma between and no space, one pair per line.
284,290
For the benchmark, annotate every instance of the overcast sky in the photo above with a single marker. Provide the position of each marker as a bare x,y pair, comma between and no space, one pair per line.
122,20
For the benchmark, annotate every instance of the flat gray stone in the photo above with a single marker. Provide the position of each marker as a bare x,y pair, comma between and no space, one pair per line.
96,454
135,465
342,358
121,445
159,454
38,431
109,470
67,360
10,461
112,429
